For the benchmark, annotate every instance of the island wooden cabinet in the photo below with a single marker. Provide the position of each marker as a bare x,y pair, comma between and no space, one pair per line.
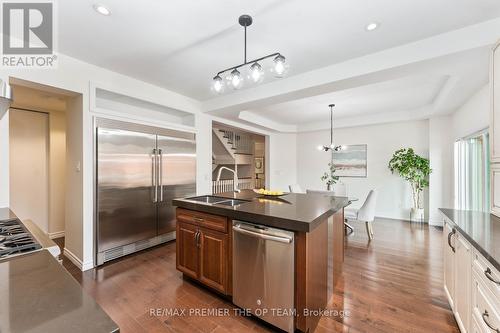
213,262
203,251
187,249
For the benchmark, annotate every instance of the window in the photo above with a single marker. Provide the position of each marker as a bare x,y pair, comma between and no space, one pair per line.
472,183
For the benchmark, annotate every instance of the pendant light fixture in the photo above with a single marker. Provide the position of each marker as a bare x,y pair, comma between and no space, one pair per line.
234,77
331,146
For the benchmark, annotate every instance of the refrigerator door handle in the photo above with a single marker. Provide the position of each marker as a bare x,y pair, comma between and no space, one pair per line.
160,173
154,179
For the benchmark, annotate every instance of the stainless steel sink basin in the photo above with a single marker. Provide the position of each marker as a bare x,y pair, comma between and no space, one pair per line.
232,202
208,199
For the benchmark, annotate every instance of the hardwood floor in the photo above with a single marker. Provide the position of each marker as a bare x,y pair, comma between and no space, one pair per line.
391,284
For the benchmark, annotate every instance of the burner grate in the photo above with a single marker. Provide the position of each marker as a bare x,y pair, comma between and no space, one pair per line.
15,239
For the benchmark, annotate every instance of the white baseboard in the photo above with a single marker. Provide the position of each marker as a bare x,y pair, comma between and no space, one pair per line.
57,234
75,260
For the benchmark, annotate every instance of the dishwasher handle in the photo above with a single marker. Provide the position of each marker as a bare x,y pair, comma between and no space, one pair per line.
239,229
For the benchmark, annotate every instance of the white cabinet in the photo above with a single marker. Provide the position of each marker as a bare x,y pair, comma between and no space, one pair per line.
471,284
463,273
495,189
475,327
457,257
484,307
495,104
495,130
449,263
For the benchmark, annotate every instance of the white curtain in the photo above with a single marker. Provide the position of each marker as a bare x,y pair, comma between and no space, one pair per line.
472,183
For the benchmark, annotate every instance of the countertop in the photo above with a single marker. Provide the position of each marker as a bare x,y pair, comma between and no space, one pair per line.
38,295
6,214
42,238
292,211
481,229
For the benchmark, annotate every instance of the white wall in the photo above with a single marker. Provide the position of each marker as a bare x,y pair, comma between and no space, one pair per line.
441,160
75,223
394,195
204,154
282,160
29,166
473,116
57,172
4,159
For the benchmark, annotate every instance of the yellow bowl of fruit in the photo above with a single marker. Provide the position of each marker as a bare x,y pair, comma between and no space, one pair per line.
269,192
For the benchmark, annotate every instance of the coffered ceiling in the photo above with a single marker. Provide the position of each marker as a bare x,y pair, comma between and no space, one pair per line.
181,44
426,57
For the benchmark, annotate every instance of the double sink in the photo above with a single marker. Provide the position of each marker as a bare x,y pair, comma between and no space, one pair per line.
213,200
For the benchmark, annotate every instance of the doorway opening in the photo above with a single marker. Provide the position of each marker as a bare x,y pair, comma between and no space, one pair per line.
242,152
39,119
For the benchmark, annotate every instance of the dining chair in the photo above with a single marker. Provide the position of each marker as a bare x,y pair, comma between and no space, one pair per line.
366,213
339,190
295,188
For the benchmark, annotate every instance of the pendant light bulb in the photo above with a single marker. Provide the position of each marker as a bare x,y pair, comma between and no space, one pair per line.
235,78
256,72
218,84
279,65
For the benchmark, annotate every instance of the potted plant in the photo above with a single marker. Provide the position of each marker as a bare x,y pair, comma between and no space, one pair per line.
329,176
415,169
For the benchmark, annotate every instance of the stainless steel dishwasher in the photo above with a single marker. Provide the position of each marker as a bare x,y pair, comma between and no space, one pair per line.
263,273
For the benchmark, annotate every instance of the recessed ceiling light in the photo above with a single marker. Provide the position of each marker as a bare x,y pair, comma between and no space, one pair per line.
101,9
372,26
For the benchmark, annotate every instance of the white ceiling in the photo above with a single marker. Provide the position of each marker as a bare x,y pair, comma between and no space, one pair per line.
181,44
433,87
387,96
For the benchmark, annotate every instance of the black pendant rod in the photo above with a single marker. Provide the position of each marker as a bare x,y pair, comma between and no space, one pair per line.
246,21
331,133
331,123
331,126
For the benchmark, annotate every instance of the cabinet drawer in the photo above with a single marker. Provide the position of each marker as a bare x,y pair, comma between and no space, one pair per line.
214,222
483,306
488,275
475,326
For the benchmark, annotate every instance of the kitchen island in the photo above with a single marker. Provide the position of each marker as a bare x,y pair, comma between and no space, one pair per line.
205,242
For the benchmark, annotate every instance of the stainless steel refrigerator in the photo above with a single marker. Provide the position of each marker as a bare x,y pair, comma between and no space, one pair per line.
139,170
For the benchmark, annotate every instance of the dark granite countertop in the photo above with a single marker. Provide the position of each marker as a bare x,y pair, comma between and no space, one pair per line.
6,214
38,295
481,229
292,211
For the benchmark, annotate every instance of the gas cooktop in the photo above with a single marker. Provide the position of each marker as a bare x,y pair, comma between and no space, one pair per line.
15,239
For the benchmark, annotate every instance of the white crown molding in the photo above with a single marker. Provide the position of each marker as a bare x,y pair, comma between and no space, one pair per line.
265,122
434,109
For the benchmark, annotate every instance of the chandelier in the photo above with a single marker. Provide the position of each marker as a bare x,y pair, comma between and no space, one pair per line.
331,146
233,76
